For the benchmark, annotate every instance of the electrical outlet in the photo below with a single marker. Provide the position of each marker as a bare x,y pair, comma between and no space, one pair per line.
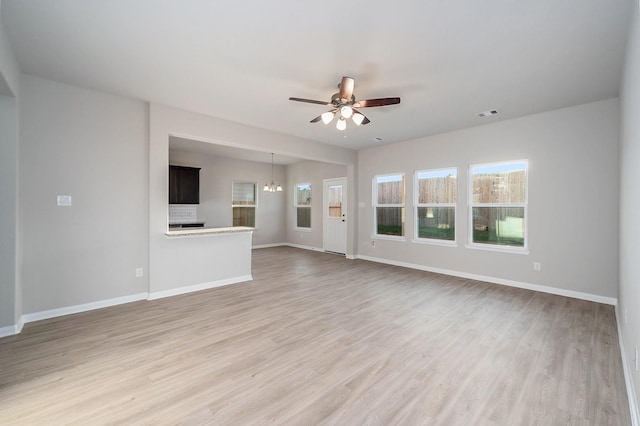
139,272
373,243
64,200
537,266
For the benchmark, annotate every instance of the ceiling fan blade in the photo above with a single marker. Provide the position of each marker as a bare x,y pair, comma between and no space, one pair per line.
346,88
310,101
315,120
368,103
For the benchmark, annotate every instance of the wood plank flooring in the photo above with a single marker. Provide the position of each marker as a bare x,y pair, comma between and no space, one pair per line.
318,339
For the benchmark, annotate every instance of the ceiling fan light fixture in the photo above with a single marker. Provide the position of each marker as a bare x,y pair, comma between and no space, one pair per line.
327,117
343,105
357,118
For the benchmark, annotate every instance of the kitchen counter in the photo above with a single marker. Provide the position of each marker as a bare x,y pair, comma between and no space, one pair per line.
186,232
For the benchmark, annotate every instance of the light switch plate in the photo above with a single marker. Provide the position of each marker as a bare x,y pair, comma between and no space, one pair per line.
64,200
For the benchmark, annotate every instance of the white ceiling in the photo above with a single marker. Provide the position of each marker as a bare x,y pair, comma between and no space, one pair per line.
447,60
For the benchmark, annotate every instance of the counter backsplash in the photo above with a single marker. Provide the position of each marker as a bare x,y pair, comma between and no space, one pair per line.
183,213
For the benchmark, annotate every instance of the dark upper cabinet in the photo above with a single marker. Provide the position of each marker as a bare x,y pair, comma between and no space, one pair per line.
184,185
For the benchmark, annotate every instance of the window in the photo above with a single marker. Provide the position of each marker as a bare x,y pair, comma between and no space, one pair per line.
388,203
244,204
498,202
303,205
335,201
435,200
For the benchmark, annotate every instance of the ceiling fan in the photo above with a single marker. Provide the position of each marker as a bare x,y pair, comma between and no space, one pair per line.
344,105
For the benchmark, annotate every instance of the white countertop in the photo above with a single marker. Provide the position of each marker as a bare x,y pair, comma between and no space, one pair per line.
184,232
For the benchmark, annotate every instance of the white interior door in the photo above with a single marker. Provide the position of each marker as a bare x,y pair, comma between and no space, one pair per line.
334,215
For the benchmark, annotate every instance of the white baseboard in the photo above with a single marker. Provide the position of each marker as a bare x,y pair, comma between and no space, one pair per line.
261,246
198,287
628,377
52,313
535,287
11,330
300,246
68,310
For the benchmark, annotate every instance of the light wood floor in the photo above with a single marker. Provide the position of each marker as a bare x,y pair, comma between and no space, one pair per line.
318,339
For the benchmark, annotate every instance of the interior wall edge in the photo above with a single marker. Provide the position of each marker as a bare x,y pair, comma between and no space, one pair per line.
628,379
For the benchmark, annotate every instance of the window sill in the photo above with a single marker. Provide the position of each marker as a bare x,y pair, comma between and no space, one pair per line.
302,229
501,249
388,237
434,242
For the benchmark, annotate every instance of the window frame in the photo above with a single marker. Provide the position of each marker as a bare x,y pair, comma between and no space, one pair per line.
302,206
255,202
524,249
375,206
417,205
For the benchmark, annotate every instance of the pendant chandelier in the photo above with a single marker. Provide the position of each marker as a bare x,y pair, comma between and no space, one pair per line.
273,187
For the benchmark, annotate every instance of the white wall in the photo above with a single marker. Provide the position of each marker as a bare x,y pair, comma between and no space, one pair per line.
92,146
573,197
629,288
216,177
312,172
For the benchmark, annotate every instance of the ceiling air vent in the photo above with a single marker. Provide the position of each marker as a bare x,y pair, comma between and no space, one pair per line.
488,113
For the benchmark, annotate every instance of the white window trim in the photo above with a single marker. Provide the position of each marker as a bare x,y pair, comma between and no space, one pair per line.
434,241
297,206
375,205
498,247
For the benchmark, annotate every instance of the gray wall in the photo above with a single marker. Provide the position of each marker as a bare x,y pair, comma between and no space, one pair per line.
10,284
629,289
573,197
92,146
216,177
312,172
8,210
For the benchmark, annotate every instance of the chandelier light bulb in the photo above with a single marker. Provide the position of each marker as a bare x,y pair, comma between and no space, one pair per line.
327,117
341,124
346,111
358,118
